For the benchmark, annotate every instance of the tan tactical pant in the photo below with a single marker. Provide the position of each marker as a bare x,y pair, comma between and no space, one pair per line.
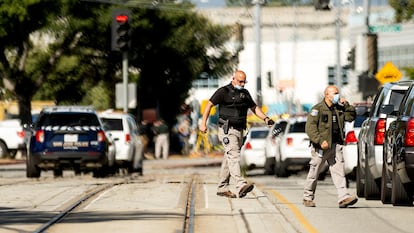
230,166
335,160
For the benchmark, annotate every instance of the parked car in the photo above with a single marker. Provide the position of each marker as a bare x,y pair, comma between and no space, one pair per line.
123,128
253,149
352,129
293,152
69,137
371,139
271,142
397,183
11,138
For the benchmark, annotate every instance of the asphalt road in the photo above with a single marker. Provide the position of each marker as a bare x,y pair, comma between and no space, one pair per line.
155,202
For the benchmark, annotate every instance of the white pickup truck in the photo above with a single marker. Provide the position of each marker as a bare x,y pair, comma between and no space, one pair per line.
11,138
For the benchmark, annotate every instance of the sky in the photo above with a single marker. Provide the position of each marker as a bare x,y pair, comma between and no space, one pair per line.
222,3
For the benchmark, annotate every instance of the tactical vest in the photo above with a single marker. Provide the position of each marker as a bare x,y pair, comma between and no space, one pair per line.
235,106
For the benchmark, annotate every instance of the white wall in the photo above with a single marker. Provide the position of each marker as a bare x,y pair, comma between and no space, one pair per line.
307,67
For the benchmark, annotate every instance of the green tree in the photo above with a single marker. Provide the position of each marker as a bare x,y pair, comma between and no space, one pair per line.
409,72
61,50
170,49
404,9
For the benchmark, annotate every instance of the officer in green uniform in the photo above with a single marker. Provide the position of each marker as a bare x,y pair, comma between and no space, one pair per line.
234,101
325,128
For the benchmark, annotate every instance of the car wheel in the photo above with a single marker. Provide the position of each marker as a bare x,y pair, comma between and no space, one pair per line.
101,172
4,153
32,171
385,189
359,184
269,167
399,194
58,172
281,170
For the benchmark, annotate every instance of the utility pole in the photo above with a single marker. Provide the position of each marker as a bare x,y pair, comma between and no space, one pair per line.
338,75
258,73
125,79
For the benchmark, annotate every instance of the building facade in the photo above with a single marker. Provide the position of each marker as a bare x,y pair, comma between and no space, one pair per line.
297,45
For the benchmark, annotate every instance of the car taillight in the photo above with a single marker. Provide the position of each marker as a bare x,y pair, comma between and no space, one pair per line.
289,141
351,138
379,132
248,146
101,136
409,134
40,136
127,138
20,134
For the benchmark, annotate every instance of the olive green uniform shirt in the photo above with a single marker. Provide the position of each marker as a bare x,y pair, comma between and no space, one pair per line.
319,122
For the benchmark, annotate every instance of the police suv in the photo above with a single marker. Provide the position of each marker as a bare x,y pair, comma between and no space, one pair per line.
69,137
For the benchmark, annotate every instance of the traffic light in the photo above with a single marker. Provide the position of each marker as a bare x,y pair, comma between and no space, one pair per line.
344,77
121,30
351,58
269,79
331,75
322,5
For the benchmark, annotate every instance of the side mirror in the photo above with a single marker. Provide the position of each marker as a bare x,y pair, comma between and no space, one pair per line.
387,109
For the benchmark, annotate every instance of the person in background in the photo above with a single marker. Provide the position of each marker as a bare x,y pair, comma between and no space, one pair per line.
234,101
162,141
184,131
325,128
144,135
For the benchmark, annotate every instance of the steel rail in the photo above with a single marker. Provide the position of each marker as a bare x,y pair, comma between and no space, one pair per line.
91,193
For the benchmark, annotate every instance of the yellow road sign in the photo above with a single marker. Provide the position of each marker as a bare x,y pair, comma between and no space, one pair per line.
388,73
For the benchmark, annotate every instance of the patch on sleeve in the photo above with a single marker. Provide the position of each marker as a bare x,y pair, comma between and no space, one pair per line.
314,112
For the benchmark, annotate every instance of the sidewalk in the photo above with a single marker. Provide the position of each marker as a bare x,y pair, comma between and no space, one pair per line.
11,161
214,155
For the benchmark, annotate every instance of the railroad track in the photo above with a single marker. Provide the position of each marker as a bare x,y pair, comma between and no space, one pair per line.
90,195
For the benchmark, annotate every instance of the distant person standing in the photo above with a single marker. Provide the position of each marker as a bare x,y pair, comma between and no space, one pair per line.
184,130
325,128
162,141
234,101
144,135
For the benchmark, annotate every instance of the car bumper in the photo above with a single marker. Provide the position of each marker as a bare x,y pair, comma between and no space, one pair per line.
296,163
375,162
123,152
86,160
254,159
350,153
406,171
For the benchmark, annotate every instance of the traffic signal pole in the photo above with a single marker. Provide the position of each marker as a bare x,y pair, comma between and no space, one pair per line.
125,78
258,73
338,76
121,41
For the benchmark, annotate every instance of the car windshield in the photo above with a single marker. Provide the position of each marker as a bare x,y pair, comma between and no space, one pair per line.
112,124
362,112
297,127
70,119
259,133
359,120
396,97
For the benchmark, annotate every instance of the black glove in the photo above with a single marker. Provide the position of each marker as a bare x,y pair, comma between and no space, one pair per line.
270,122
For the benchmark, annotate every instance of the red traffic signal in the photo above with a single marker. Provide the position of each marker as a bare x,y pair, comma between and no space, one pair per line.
121,30
121,19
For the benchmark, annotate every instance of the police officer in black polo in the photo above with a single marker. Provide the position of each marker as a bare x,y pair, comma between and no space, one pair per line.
234,101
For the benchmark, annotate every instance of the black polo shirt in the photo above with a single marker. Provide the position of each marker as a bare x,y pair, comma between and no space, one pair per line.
233,104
